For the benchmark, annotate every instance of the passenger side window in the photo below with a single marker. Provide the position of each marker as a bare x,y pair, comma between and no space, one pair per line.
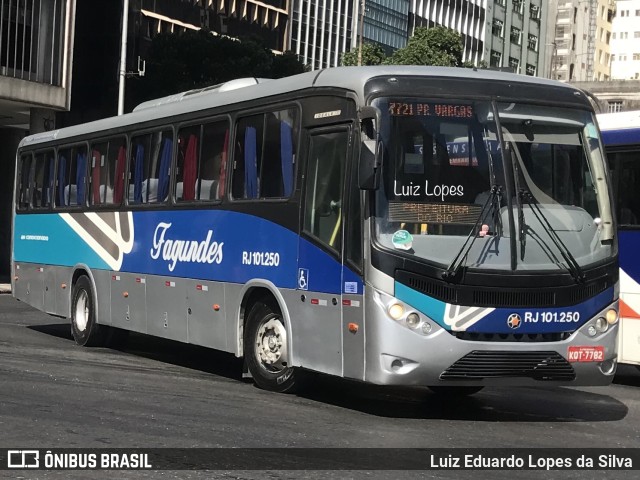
265,155
325,184
627,201
24,195
108,162
71,179
44,179
201,162
150,167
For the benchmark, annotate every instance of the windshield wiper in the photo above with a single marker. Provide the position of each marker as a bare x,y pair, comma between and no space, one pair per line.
572,264
493,200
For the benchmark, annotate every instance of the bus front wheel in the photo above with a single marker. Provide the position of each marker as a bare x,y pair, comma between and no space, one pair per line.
265,348
84,327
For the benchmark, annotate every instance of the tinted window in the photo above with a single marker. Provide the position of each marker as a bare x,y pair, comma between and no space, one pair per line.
265,155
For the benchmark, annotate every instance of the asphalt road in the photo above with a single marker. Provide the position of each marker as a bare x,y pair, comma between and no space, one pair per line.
156,393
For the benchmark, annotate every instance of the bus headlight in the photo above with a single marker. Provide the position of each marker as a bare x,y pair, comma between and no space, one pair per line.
601,324
396,311
612,316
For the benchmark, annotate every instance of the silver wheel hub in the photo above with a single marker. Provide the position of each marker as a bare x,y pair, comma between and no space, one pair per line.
271,345
81,317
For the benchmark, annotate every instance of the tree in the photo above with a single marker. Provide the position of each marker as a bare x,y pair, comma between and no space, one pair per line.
372,54
430,46
176,62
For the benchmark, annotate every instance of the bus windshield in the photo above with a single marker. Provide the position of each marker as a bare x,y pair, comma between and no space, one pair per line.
444,183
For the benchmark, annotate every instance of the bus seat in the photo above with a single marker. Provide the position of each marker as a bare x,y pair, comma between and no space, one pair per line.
179,190
152,184
71,193
109,197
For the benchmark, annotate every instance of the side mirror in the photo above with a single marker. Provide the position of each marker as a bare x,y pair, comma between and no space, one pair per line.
370,161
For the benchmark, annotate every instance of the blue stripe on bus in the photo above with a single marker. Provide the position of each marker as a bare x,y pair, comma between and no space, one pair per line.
488,320
214,245
626,136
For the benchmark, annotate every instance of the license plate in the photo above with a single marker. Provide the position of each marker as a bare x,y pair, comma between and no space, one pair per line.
586,354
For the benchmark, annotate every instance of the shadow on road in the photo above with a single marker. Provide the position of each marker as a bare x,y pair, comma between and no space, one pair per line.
505,404
628,375
179,354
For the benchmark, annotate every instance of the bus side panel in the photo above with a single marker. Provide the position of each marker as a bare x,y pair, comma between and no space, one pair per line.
316,330
166,307
20,283
129,301
32,278
629,339
63,292
102,279
206,325
50,284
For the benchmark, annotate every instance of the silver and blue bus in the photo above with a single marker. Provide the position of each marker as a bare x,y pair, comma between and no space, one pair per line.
440,227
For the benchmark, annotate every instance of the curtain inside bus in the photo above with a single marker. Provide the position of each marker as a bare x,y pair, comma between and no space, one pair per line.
119,180
165,170
222,178
250,167
286,156
138,174
62,174
190,167
81,173
96,159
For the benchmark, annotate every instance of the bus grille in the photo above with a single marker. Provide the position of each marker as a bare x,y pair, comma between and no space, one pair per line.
549,366
512,337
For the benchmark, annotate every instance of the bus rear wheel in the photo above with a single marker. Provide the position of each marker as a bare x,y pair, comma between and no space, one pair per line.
84,327
265,348
451,391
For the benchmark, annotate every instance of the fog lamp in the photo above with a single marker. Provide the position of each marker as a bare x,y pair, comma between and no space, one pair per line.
426,328
592,331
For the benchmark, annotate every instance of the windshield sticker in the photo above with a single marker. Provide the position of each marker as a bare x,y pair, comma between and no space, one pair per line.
402,240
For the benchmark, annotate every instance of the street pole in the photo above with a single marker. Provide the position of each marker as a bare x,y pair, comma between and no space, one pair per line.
123,55
362,7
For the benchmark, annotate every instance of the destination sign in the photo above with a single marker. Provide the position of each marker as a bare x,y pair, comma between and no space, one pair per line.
420,109
414,212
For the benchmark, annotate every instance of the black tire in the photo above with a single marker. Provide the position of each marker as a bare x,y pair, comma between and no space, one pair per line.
264,323
450,391
84,327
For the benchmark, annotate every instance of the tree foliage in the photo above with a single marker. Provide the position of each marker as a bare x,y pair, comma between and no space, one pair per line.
428,46
176,62
372,54
438,46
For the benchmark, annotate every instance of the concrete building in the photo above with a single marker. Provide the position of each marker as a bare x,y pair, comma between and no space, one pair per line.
515,36
579,45
321,31
625,41
36,45
614,95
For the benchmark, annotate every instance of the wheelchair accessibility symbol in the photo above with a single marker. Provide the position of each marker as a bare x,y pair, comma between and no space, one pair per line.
303,278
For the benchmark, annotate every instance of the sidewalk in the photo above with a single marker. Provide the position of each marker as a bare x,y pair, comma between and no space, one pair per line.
5,288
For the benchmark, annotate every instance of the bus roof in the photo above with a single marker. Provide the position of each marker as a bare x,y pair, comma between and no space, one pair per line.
349,78
621,128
